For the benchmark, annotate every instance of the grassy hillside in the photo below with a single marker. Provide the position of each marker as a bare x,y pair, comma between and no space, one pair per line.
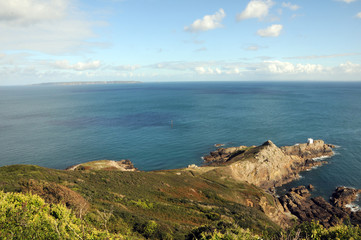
171,203
175,204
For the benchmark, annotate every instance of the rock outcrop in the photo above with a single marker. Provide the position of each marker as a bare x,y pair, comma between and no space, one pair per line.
222,155
309,151
122,165
268,166
298,202
344,196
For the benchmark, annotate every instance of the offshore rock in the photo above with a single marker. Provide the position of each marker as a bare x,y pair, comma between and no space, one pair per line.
344,196
268,166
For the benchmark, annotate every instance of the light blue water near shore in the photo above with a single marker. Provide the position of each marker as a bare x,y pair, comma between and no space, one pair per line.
59,126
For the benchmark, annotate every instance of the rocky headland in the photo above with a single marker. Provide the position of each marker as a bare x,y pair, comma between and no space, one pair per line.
269,166
266,166
121,165
234,186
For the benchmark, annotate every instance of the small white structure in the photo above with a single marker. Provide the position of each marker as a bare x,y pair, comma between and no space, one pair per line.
309,140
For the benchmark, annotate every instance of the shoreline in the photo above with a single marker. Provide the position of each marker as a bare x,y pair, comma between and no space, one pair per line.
242,175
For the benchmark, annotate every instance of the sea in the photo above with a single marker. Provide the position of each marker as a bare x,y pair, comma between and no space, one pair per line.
171,125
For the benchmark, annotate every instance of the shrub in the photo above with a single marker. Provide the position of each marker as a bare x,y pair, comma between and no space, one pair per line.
29,217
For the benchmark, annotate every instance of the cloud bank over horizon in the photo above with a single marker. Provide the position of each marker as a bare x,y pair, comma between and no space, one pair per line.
68,40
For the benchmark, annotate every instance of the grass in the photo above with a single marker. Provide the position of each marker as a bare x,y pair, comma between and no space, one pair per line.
176,203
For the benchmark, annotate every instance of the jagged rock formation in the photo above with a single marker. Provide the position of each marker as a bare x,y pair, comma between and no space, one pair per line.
308,151
344,196
122,165
267,165
222,155
298,202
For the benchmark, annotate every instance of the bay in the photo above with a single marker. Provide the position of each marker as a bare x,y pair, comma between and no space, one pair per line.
172,125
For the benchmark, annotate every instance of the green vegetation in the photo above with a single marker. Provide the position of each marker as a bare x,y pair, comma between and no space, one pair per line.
316,231
174,204
29,217
124,202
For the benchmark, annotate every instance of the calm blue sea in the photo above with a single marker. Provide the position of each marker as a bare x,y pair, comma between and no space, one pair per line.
59,126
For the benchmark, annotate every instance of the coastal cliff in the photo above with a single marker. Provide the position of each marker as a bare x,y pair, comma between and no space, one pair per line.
233,190
268,166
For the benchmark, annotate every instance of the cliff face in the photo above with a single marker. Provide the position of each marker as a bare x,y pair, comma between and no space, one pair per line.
268,166
265,166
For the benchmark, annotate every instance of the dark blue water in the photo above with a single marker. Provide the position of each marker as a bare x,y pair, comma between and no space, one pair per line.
59,126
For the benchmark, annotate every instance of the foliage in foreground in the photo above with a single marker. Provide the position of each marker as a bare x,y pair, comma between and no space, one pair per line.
303,231
29,217
314,230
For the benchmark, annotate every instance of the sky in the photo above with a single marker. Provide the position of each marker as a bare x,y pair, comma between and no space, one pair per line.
171,40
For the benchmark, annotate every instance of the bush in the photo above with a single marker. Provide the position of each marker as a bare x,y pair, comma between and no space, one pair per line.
29,217
314,230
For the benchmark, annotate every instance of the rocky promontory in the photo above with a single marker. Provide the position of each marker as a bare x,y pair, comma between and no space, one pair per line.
110,165
267,165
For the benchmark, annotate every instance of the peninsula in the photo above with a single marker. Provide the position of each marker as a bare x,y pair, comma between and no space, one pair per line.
233,191
86,83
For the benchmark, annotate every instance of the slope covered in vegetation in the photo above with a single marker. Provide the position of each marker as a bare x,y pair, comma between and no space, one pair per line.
209,202
164,204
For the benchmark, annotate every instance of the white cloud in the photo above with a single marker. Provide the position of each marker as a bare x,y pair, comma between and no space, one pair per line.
324,56
128,67
31,11
22,69
256,9
53,26
272,31
350,67
252,48
291,6
208,22
287,67
347,1
80,66
358,15
207,70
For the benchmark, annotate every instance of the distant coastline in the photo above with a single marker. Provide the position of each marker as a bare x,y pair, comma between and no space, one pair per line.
86,83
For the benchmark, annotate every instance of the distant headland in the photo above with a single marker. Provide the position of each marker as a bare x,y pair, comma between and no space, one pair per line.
86,83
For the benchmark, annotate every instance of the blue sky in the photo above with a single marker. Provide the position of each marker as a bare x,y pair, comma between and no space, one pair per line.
199,40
